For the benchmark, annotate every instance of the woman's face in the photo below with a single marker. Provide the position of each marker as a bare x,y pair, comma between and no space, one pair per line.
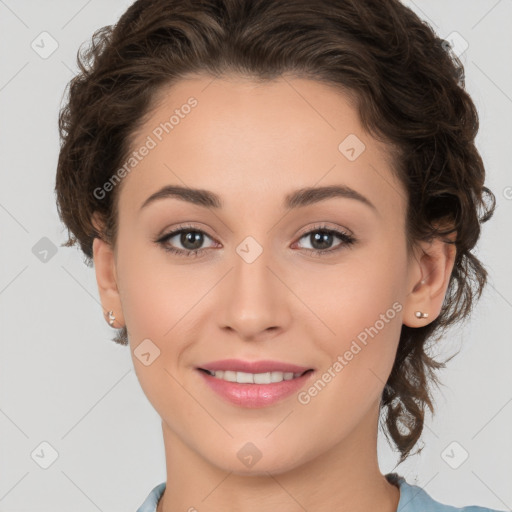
260,289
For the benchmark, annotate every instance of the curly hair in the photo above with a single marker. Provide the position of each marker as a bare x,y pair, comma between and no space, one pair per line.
409,91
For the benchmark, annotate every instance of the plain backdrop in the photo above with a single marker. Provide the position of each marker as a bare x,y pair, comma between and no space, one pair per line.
67,391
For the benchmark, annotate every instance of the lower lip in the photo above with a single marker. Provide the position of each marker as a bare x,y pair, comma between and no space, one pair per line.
254,395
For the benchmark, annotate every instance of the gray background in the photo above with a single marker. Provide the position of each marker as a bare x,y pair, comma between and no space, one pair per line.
63,382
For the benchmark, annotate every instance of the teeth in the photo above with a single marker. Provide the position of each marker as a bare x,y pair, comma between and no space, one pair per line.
254,378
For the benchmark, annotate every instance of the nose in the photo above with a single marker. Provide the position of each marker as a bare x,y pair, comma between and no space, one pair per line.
254,304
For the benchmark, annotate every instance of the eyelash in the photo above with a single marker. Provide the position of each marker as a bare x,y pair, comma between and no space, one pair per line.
347,239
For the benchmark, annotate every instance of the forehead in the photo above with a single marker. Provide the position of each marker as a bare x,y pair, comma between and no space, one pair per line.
249,140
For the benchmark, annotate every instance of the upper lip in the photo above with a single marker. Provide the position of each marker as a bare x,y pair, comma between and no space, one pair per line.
264,366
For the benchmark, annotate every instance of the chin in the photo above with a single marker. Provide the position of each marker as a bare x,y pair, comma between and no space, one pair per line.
250,461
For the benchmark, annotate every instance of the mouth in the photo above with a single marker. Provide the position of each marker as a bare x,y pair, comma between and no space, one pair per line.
254,378
255,390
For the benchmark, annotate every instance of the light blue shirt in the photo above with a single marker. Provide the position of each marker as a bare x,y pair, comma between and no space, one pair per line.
412,499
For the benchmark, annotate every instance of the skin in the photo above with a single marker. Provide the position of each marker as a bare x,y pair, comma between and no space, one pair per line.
252,144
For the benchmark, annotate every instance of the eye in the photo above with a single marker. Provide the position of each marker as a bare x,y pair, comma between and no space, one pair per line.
189,237
321,239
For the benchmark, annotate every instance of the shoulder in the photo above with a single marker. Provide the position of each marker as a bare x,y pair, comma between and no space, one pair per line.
415,499
151,501
412,499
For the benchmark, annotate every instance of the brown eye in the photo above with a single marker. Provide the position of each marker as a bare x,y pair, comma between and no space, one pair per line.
190,239
322,239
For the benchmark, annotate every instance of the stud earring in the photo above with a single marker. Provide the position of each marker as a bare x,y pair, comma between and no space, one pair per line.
111,318
420,314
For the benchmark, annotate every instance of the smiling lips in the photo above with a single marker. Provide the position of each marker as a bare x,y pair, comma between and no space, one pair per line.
254,384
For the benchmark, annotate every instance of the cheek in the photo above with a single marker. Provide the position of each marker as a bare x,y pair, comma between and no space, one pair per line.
155,293
358,359
156,297
352,295
362,307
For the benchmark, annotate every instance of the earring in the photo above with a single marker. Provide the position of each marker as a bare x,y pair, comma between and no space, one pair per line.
420,314
111,318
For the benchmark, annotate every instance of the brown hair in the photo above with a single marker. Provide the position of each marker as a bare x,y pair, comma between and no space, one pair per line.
409,90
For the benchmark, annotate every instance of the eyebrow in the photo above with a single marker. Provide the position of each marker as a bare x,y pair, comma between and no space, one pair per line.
296,199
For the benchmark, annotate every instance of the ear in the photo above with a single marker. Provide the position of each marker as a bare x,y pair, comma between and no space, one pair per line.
430,266
106,277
